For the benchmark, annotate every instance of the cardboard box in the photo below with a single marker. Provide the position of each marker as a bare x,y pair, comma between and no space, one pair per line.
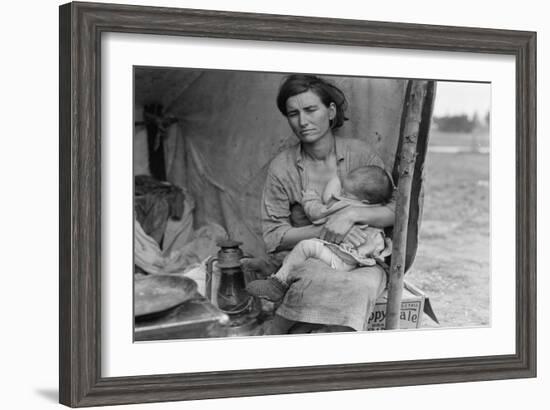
413,305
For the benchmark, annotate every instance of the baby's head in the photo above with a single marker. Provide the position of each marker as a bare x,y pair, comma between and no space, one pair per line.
371,184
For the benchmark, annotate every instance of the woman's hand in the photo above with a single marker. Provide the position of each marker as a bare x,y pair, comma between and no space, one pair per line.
356,236
338,225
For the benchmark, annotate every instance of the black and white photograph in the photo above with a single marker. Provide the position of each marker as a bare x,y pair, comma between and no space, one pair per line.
275,205
271,204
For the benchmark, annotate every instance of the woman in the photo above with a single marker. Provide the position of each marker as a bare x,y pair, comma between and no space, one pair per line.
315,108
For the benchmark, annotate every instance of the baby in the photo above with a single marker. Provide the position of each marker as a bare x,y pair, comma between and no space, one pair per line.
364,186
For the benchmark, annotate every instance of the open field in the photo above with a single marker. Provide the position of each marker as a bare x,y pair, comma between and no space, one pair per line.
452,263
473,141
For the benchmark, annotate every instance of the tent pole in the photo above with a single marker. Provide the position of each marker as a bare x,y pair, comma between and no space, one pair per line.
414,102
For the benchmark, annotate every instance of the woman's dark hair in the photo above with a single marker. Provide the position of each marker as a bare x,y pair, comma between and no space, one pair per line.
300,83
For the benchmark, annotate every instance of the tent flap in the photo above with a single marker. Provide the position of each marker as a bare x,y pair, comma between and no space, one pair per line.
229,129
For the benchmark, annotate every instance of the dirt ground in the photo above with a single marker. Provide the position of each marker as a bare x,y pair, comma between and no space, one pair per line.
452,263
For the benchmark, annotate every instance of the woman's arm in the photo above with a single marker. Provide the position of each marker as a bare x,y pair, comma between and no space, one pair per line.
295,235
277,212
338,225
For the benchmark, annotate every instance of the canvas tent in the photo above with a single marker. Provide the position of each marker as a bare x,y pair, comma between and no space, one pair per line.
225,128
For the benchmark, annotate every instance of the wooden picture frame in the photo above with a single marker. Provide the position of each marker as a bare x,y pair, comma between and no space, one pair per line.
81,27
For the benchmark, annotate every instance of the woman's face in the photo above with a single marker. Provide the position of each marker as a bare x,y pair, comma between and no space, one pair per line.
308,117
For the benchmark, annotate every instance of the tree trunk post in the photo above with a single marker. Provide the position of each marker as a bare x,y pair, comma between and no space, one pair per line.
414,102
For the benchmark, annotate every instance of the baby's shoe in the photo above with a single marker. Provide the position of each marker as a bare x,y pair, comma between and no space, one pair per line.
271,289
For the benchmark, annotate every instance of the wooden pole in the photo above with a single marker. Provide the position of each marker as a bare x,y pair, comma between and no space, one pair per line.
414,102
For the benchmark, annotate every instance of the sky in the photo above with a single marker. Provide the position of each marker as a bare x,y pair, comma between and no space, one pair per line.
453,98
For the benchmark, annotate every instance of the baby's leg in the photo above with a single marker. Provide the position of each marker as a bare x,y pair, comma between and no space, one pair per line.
275,287
311,248
308,248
